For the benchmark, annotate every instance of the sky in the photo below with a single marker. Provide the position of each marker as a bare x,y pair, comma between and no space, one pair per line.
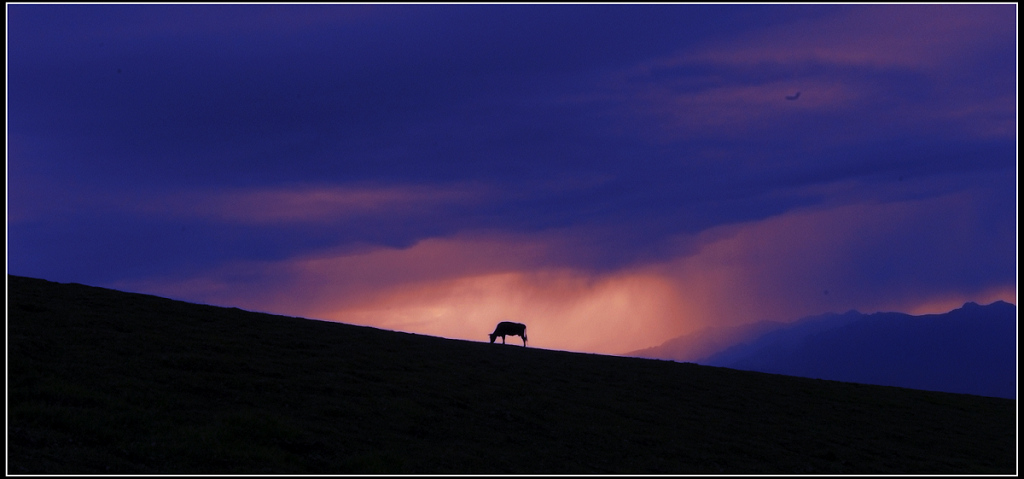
611,175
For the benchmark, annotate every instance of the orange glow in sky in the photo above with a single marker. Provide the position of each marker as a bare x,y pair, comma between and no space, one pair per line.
782,268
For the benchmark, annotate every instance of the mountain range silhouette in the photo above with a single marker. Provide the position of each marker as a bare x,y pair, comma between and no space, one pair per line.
970,350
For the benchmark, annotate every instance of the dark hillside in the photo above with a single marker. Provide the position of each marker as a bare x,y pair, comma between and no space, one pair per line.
101,381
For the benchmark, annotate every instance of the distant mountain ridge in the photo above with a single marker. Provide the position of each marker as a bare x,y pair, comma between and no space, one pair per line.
969,350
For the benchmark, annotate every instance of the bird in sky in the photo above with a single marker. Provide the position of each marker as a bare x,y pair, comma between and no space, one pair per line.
794,97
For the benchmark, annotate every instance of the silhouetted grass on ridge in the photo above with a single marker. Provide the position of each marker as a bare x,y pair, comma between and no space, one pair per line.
101,381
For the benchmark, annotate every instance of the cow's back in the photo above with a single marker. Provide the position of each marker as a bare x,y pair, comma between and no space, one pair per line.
510,328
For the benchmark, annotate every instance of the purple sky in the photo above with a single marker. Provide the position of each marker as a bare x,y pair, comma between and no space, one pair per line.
611,175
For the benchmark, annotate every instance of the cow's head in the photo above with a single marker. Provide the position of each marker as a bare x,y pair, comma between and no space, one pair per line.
492,336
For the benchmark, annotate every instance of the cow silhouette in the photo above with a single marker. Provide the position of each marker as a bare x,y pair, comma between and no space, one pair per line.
508,328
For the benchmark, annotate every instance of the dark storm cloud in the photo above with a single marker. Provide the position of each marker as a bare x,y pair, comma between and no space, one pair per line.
416,93
159,141
143,97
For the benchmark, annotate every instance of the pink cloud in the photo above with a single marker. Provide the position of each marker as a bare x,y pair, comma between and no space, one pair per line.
873,256
835,62
458,288
914,36
563,309
254,206
325,280
308,204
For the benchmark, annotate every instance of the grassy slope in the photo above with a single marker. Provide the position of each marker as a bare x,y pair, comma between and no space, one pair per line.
101,381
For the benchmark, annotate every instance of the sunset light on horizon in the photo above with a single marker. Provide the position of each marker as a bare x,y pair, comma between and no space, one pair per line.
611,175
